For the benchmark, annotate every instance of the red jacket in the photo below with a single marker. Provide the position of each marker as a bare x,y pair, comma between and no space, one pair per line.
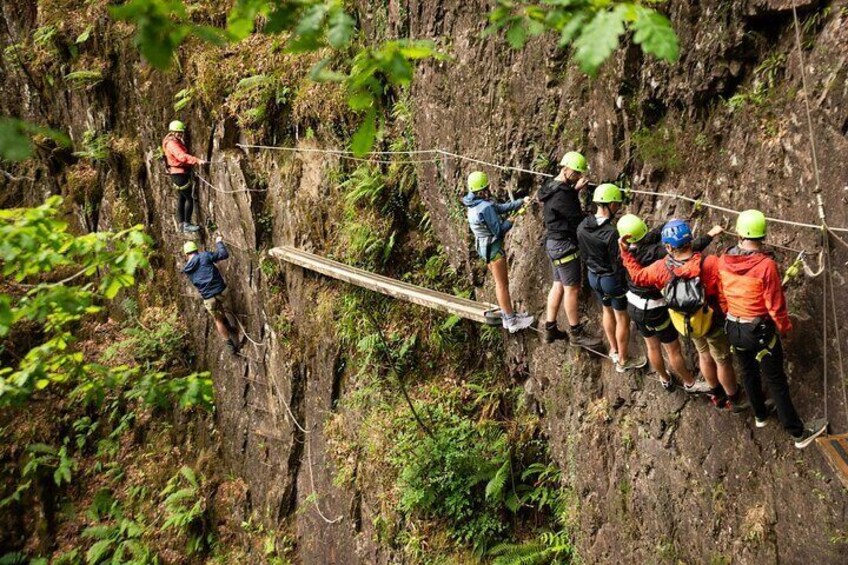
177,157
657,274
751,287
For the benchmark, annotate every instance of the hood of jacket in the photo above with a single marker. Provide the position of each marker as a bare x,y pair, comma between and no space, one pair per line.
741,261
551,187
592,223
192,264
470,200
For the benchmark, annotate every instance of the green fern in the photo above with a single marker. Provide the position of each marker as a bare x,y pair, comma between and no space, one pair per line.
550,548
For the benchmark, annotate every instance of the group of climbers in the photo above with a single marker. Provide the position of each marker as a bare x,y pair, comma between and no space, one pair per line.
661,280
200,265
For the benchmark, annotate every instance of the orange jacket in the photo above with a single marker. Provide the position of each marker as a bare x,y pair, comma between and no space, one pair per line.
751,287
177,157
657,274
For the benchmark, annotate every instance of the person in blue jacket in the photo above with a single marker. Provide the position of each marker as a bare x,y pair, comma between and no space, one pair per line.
484,218
204,275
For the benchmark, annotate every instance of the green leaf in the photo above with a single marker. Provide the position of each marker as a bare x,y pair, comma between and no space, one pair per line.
494,488
320,73
363,139
242,17
99,551
516,35
654,33
341,30
599,39
83,37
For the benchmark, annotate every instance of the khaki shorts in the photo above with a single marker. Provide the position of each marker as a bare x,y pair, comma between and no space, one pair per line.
715,342
215,305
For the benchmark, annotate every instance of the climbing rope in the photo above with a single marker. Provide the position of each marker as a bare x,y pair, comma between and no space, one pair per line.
222,191
345,154
310,464
827,287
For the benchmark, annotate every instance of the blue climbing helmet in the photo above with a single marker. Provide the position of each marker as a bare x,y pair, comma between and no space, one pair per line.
677,234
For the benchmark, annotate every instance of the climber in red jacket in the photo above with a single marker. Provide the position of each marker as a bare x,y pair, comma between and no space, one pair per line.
752,293
180,163
684,263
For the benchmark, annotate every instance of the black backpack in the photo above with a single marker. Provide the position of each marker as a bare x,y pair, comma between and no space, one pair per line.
687,303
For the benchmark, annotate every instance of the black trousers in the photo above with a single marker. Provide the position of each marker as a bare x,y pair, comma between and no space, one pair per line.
185,200
758,348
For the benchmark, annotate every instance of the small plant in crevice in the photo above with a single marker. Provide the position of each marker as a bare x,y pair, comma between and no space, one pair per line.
658,146
185,510
116,536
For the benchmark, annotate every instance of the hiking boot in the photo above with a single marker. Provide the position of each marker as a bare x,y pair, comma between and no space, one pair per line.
518,322
630,364
812,430
190,228
698,387
580,338
232,346
770,409
553,333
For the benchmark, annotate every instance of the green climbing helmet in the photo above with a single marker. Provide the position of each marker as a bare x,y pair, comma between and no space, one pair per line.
176,126
189,247
477,181
607,193
751,224
632,225
574,161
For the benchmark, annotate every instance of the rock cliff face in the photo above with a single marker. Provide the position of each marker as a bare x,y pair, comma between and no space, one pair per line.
659,478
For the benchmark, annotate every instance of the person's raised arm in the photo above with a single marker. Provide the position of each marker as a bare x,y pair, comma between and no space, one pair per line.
220,252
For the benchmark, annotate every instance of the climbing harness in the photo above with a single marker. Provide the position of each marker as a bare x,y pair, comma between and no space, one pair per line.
565,260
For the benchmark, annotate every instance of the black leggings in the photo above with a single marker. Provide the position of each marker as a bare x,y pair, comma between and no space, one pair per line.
185,206
758,348
185,201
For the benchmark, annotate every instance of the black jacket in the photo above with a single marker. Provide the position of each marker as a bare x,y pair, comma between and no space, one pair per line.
599,247
649,250
562,211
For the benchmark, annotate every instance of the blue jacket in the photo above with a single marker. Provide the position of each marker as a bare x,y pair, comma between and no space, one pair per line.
203,273
484,218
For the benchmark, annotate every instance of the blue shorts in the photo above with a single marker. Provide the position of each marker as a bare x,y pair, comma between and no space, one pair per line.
493,253
610,291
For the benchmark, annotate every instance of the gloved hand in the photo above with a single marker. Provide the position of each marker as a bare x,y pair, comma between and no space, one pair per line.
716,230
219,239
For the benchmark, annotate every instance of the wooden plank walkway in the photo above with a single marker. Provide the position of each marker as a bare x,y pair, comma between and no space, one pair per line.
462,307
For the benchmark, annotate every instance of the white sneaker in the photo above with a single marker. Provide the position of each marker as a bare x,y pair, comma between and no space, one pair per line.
614,356
698,387
518,322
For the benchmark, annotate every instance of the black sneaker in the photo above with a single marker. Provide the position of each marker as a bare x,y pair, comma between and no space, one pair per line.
770,409
553,333
812,430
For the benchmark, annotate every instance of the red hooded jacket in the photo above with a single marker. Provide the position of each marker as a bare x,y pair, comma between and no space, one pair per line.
751,287
177,157
657,274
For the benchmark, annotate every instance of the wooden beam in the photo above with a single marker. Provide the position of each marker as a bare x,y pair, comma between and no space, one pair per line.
462,307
